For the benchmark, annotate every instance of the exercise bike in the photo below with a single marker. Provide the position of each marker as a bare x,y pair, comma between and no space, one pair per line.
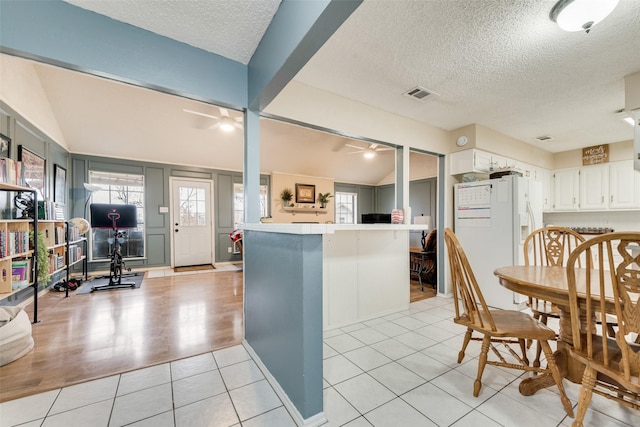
114,217
117,264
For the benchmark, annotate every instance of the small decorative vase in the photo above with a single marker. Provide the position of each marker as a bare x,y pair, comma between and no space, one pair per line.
397,216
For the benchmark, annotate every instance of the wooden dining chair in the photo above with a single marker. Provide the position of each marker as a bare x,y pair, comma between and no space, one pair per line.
548,246
610,286
502,327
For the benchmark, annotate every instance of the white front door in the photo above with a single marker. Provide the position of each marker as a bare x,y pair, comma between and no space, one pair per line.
191,222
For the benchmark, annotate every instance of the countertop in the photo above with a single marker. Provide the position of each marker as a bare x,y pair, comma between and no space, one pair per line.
328,228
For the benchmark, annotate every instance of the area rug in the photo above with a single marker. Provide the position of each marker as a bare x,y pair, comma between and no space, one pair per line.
86,287
194,268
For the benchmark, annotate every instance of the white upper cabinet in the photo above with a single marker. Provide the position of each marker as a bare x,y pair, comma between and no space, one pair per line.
611,186
566,186
624,190
470,161
594,187
483,163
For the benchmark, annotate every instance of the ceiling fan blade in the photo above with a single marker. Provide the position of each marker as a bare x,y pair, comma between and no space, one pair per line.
214,126
237,124
223,112
354,146
200,114
373,146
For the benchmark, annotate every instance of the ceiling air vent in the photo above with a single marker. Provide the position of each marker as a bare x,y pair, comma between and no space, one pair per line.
420,94
544,138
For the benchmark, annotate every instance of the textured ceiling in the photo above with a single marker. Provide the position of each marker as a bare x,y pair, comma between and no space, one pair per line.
231,29
498,63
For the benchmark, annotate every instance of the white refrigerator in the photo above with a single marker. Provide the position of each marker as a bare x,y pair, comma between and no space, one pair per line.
492,219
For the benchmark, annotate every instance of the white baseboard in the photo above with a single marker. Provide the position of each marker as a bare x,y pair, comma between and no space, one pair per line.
314,421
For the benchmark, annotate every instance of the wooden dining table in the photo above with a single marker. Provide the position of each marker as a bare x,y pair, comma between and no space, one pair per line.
550,284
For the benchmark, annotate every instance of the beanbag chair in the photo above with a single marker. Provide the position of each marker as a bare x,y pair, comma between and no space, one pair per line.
15,334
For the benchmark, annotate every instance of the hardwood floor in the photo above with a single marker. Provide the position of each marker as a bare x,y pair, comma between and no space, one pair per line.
86,337
417,294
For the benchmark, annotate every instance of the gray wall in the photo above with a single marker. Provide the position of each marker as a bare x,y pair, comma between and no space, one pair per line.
366,197
157,227
381,199
157,191
423,201
386,198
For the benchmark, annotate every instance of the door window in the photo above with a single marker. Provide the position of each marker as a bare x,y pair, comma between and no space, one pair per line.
193,211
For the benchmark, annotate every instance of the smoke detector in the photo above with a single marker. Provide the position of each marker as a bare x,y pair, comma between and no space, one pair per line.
420,94
544,138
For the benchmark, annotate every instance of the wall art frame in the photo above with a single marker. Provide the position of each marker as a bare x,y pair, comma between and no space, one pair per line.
5,146
34,168
60,185
305,193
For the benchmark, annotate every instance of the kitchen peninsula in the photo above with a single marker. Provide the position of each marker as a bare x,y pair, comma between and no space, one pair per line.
301,279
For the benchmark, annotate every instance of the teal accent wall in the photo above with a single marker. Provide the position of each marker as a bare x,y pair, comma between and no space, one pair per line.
283,312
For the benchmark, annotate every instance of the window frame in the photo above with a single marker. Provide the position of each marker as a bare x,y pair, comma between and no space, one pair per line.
108,180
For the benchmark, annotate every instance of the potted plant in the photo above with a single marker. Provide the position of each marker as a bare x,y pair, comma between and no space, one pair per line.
42,253
286,195
324,199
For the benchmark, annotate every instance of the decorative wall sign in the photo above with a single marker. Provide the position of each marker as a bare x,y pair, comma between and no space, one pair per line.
305,193
595,155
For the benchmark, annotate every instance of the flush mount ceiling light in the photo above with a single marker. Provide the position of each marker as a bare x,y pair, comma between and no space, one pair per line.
369,153
623,115
578,15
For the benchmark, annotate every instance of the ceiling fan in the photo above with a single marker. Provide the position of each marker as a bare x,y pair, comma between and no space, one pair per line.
369,151
224,120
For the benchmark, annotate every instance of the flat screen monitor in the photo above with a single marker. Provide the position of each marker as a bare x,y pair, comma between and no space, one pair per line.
105,215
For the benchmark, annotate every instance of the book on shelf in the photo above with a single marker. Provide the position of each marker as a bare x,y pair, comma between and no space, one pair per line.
11,171
19,274
75,253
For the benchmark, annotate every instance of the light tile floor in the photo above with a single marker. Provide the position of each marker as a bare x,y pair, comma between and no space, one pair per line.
397,370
